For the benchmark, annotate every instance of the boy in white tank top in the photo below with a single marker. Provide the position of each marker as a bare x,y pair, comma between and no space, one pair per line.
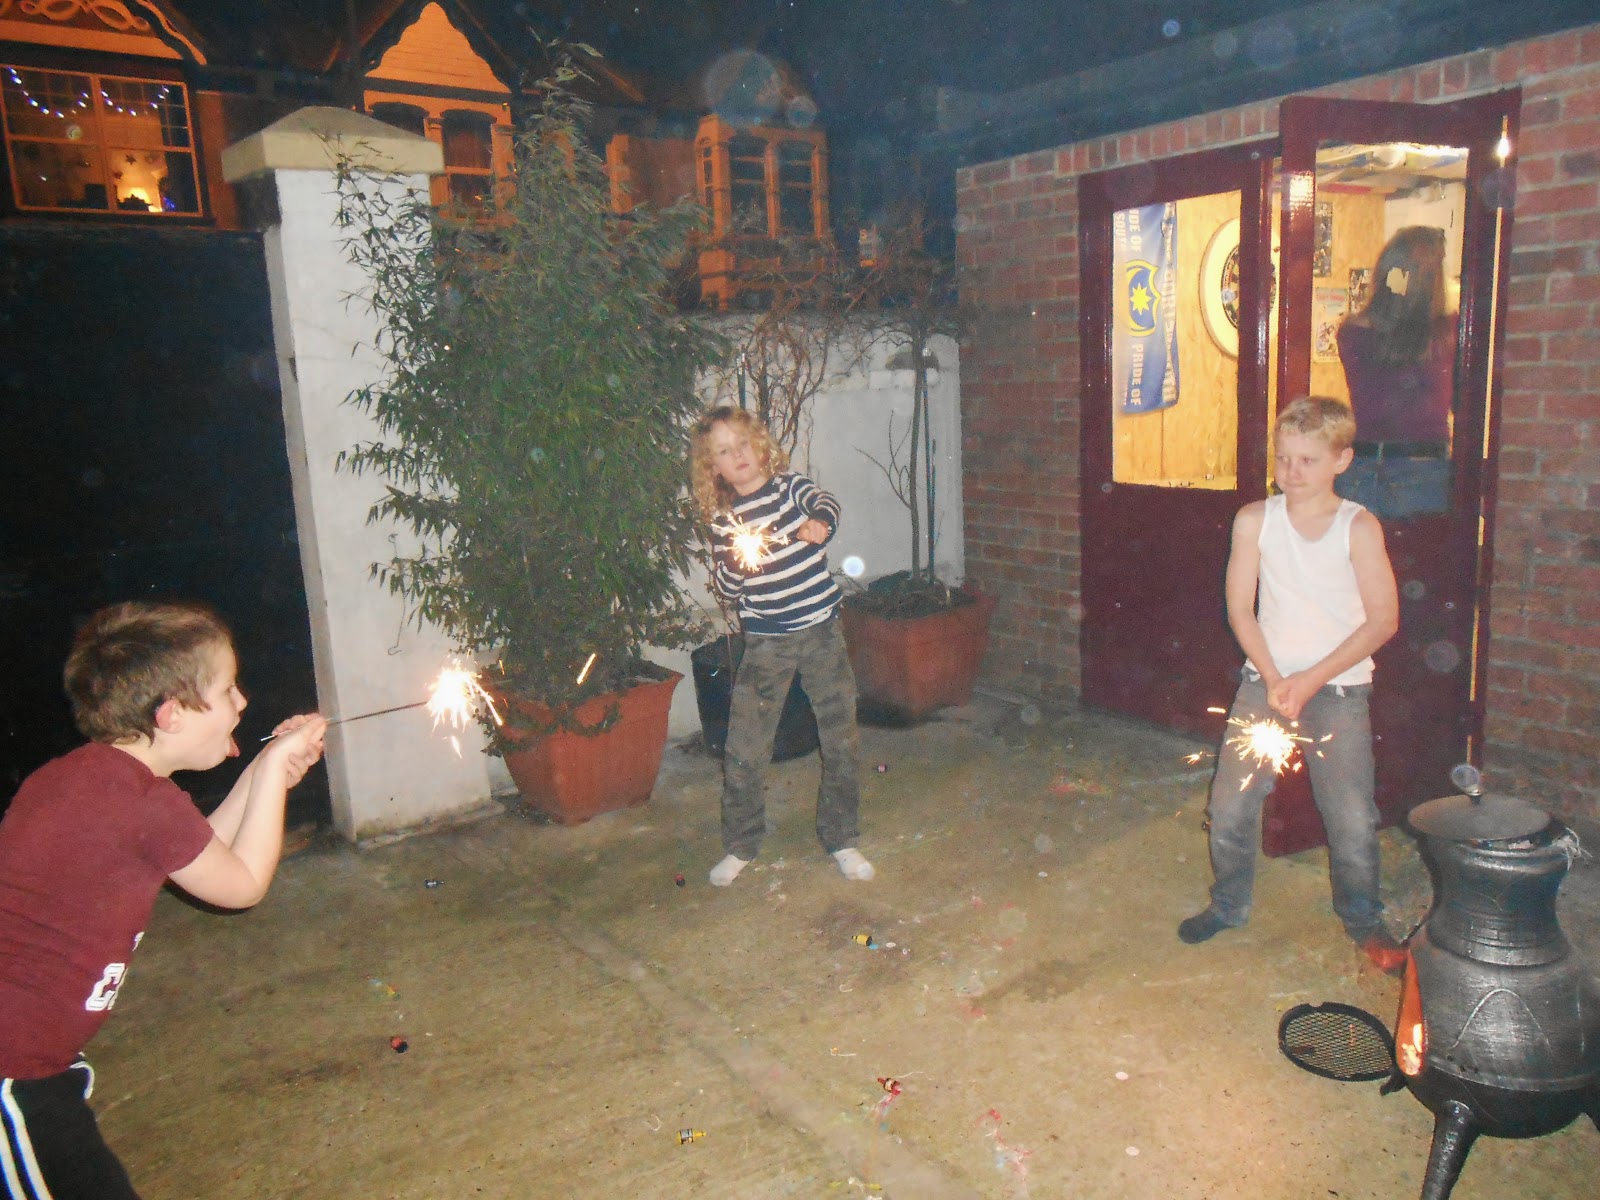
1310,596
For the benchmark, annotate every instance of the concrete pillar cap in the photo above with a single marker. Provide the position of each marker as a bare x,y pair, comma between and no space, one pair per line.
313,139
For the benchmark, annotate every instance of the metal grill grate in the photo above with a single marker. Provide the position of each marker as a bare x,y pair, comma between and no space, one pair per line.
1337,1041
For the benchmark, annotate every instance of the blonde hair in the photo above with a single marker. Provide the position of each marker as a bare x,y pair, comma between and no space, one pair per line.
1320,417
131,658
712,493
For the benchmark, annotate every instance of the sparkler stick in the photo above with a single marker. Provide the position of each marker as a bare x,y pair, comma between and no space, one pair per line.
362,716
452,697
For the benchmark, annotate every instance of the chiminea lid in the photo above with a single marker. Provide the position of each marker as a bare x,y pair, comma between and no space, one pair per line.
1486,818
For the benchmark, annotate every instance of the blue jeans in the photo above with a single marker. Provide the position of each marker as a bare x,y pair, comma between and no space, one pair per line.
759,691
1394,488
1341,784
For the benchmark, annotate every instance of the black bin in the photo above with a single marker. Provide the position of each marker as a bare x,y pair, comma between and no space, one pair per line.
713,695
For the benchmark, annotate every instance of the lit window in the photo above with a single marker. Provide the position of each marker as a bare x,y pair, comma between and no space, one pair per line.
99,143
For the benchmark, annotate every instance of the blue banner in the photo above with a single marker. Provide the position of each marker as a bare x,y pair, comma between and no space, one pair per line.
1146,257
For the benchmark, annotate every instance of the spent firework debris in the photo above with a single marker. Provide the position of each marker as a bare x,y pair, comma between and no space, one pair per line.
454,696
751,543
1265,742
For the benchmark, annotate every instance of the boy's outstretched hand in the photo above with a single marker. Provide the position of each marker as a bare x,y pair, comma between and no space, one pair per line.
299,741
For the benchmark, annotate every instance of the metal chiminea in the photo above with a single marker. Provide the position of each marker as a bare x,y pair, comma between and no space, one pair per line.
1499,1026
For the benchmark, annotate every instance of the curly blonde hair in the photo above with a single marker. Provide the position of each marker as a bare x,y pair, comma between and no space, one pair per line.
712,493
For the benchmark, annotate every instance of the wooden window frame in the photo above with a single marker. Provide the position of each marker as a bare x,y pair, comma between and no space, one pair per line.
97,75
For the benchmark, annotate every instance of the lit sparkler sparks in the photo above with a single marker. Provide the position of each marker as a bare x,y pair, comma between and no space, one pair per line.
455,694
751,543
1265,741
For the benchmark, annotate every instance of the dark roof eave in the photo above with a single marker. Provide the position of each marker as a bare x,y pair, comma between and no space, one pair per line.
1170,85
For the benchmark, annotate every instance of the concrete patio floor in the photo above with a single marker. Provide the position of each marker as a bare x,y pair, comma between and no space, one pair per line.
567,1008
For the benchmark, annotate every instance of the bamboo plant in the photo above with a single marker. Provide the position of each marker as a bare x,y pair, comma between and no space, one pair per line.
532,415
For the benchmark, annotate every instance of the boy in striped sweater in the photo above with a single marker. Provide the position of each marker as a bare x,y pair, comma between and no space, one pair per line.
770,526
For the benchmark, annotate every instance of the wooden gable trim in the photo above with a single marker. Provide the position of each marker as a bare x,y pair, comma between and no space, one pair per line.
130,28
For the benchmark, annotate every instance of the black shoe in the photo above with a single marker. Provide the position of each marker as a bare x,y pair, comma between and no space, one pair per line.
1201,927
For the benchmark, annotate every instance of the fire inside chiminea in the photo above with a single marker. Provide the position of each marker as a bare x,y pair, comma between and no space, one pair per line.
1499,1023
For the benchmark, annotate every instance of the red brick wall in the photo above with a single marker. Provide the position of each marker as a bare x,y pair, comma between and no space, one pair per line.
1018,253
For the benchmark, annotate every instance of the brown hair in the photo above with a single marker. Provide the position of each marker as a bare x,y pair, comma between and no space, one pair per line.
1319,416
130,658
1407,321
712,493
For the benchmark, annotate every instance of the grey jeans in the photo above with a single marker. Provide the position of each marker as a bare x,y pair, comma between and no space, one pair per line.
759,690
1341,784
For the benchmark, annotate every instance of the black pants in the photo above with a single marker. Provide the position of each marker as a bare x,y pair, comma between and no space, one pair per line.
52,1144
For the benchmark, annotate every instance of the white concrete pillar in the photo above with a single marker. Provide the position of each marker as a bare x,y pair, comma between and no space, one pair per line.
387,773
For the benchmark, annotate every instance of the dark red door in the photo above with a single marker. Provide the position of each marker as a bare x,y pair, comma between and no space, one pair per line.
1175,381
1354,172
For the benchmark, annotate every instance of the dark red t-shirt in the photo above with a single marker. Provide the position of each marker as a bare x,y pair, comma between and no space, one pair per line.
84,849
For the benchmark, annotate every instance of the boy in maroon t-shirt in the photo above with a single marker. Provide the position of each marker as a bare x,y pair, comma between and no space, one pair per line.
87,844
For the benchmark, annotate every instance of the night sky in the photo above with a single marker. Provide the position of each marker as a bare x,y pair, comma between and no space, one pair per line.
857,56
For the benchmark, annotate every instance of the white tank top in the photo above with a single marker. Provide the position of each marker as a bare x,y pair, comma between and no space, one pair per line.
1308,598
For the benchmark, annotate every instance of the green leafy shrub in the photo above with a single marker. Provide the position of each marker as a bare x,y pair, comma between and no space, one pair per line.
533,414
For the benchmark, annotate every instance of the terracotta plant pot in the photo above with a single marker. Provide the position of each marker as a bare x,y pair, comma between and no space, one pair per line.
906,667
570,777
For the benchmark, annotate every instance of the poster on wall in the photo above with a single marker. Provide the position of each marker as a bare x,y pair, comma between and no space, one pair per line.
1360,285
1322,240
1328,308
1144,249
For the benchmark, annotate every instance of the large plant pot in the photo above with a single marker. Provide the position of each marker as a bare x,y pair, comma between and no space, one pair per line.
907,667
714,666
570,777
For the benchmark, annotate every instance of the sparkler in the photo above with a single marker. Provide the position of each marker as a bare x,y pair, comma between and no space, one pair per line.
1266,741
751,543
452,697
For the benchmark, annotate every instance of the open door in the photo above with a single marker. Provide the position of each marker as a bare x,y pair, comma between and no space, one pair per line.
1212,285
1358,177
1176,294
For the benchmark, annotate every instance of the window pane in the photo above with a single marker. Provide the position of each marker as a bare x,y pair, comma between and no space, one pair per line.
1386,286
794,163
794,188
402,116
143,114
1175,344
58,175
469,190
467,141
47,104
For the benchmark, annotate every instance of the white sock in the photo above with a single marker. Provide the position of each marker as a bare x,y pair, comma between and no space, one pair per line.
726,871
852,864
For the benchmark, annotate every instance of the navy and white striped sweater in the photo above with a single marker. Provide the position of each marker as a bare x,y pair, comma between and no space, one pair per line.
790,588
